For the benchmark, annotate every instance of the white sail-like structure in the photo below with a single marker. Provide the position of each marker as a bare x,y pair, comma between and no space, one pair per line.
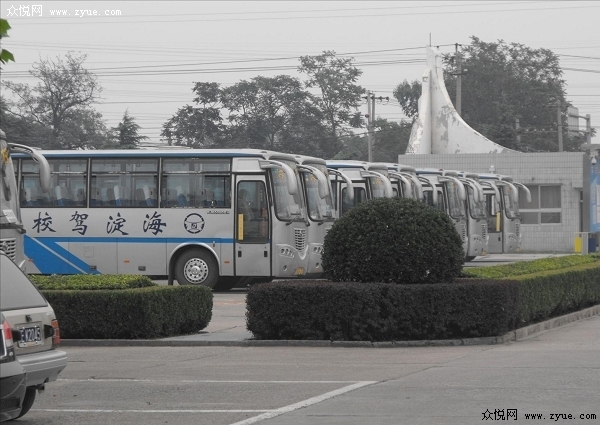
439,129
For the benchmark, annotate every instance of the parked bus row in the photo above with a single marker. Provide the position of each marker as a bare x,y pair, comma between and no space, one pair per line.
483,207
221,217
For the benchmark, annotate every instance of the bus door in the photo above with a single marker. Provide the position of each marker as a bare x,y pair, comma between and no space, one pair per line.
495,224
252,242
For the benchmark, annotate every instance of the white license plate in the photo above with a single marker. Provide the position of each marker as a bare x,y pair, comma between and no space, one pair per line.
31,335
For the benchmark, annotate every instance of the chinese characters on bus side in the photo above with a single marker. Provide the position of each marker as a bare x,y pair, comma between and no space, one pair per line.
115,224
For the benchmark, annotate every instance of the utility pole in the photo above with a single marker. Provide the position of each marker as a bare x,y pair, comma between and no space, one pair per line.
517,127
371,109
559,121
458,80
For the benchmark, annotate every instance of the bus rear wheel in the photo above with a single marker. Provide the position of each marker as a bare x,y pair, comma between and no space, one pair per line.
197,267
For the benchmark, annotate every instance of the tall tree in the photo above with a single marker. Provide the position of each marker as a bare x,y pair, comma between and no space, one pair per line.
65,92
265,107
336,79
126,134
504,82
390,140
193,126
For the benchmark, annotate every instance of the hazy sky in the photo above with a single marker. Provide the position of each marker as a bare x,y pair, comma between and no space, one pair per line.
149,53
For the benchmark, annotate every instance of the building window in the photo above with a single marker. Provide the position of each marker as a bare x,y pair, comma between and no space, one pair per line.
545,206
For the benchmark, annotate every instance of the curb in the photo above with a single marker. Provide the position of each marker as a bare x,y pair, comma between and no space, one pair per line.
516,335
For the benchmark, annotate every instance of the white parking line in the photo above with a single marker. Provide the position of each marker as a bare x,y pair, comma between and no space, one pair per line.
148,411
201,381
305,403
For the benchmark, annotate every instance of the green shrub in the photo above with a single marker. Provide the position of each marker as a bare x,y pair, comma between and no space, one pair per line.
553,293
351,311
467,308
141,313
527,267
91,282
393,240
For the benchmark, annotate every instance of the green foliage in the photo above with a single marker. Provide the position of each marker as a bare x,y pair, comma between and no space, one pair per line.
350,311
276,113
90,282
555,292
197,127
393,240
468,308
125,134
390,140
336,79
5,55
528,267
60,103
141,313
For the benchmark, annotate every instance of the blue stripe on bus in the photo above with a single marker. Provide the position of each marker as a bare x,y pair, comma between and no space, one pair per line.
51,258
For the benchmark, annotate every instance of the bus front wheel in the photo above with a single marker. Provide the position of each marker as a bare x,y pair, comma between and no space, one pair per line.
197,267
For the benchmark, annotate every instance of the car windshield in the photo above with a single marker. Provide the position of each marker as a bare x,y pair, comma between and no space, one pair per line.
17,292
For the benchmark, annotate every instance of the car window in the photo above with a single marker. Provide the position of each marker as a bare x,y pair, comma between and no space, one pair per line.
17,291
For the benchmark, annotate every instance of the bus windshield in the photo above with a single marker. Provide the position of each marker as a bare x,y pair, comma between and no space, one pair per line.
287,207
377,187
428,199
476,208
318,208
456,208
511,208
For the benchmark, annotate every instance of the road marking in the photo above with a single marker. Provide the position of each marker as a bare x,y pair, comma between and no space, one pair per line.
201,381
148,411
305,403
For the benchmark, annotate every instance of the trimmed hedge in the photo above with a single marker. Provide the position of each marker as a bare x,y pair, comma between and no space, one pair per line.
141,313
527,267
91,282
351,311
467,308
556,292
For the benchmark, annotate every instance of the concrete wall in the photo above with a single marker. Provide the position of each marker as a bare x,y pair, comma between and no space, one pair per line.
564,168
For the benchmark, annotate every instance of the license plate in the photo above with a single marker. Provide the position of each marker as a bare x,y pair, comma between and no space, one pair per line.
31,335
300,271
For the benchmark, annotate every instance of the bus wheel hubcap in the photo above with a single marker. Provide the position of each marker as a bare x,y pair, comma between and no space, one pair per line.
196,270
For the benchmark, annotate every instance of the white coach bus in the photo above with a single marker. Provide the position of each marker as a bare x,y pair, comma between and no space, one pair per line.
11,224
320,210
477,218
208,217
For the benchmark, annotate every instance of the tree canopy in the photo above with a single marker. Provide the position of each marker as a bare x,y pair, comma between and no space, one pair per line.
504,82
5,55
59,104
277,113
125,135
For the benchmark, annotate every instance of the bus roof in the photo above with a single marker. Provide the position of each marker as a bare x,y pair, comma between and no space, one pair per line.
489,176
337,163
305,159
158,153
